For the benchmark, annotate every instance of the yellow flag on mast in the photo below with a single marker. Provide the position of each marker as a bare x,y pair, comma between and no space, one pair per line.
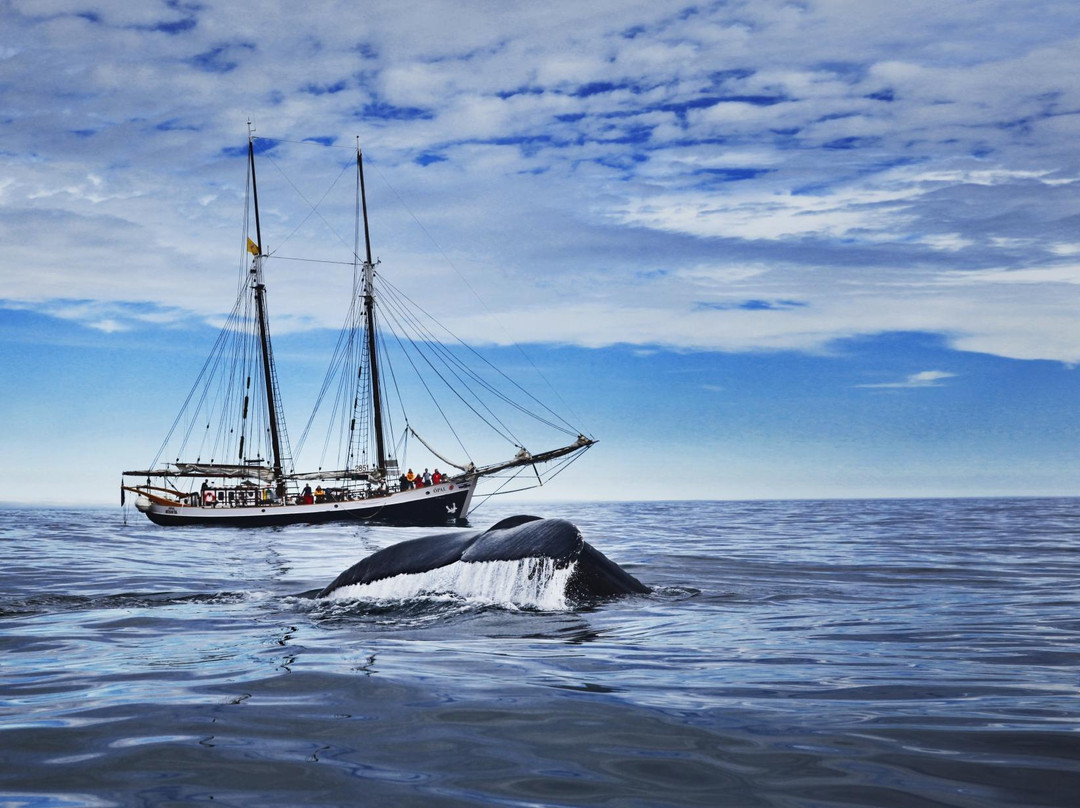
253,248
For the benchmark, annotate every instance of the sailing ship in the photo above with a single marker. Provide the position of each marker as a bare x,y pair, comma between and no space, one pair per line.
239,468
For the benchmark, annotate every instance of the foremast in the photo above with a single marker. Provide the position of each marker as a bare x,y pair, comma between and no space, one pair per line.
369,323
269,377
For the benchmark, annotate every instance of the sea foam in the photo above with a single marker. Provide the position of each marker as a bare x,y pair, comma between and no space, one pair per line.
534,583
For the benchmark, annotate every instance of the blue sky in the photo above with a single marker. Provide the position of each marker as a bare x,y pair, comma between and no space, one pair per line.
762,249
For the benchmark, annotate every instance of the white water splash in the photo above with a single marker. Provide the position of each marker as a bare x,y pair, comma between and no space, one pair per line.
534,583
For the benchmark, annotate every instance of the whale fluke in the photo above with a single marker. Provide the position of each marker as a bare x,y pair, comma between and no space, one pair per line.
553,544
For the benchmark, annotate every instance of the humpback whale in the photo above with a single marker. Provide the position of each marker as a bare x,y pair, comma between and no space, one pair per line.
539,552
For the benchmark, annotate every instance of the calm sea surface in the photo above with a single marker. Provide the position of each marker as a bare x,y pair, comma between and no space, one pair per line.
872,653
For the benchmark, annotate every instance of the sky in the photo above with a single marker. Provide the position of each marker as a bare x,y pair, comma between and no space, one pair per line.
759,249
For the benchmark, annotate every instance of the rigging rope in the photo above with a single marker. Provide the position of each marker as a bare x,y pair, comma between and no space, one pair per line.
465,282
209,365
566,427
314,208
449,362
435,400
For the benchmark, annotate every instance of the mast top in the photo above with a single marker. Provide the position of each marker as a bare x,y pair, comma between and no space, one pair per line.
254,190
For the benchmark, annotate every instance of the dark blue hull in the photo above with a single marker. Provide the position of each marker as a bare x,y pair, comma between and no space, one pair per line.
438,508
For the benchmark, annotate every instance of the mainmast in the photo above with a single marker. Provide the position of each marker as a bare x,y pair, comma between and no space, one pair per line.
264,325
369,318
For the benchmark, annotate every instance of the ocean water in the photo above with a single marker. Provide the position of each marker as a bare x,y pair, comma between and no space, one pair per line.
864,653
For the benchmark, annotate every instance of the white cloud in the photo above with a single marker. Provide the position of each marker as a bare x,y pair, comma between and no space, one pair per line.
924,378
892,170
1040,276
952,242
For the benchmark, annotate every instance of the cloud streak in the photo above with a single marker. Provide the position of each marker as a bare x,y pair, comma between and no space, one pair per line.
924,378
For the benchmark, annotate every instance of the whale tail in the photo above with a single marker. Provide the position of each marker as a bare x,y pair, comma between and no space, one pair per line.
524,559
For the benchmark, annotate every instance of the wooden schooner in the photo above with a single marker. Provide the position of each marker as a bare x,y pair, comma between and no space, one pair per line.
234,411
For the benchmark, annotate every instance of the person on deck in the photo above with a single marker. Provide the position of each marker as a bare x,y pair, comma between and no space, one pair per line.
403,483
306,496
427,477
436,478
320,495
411,478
